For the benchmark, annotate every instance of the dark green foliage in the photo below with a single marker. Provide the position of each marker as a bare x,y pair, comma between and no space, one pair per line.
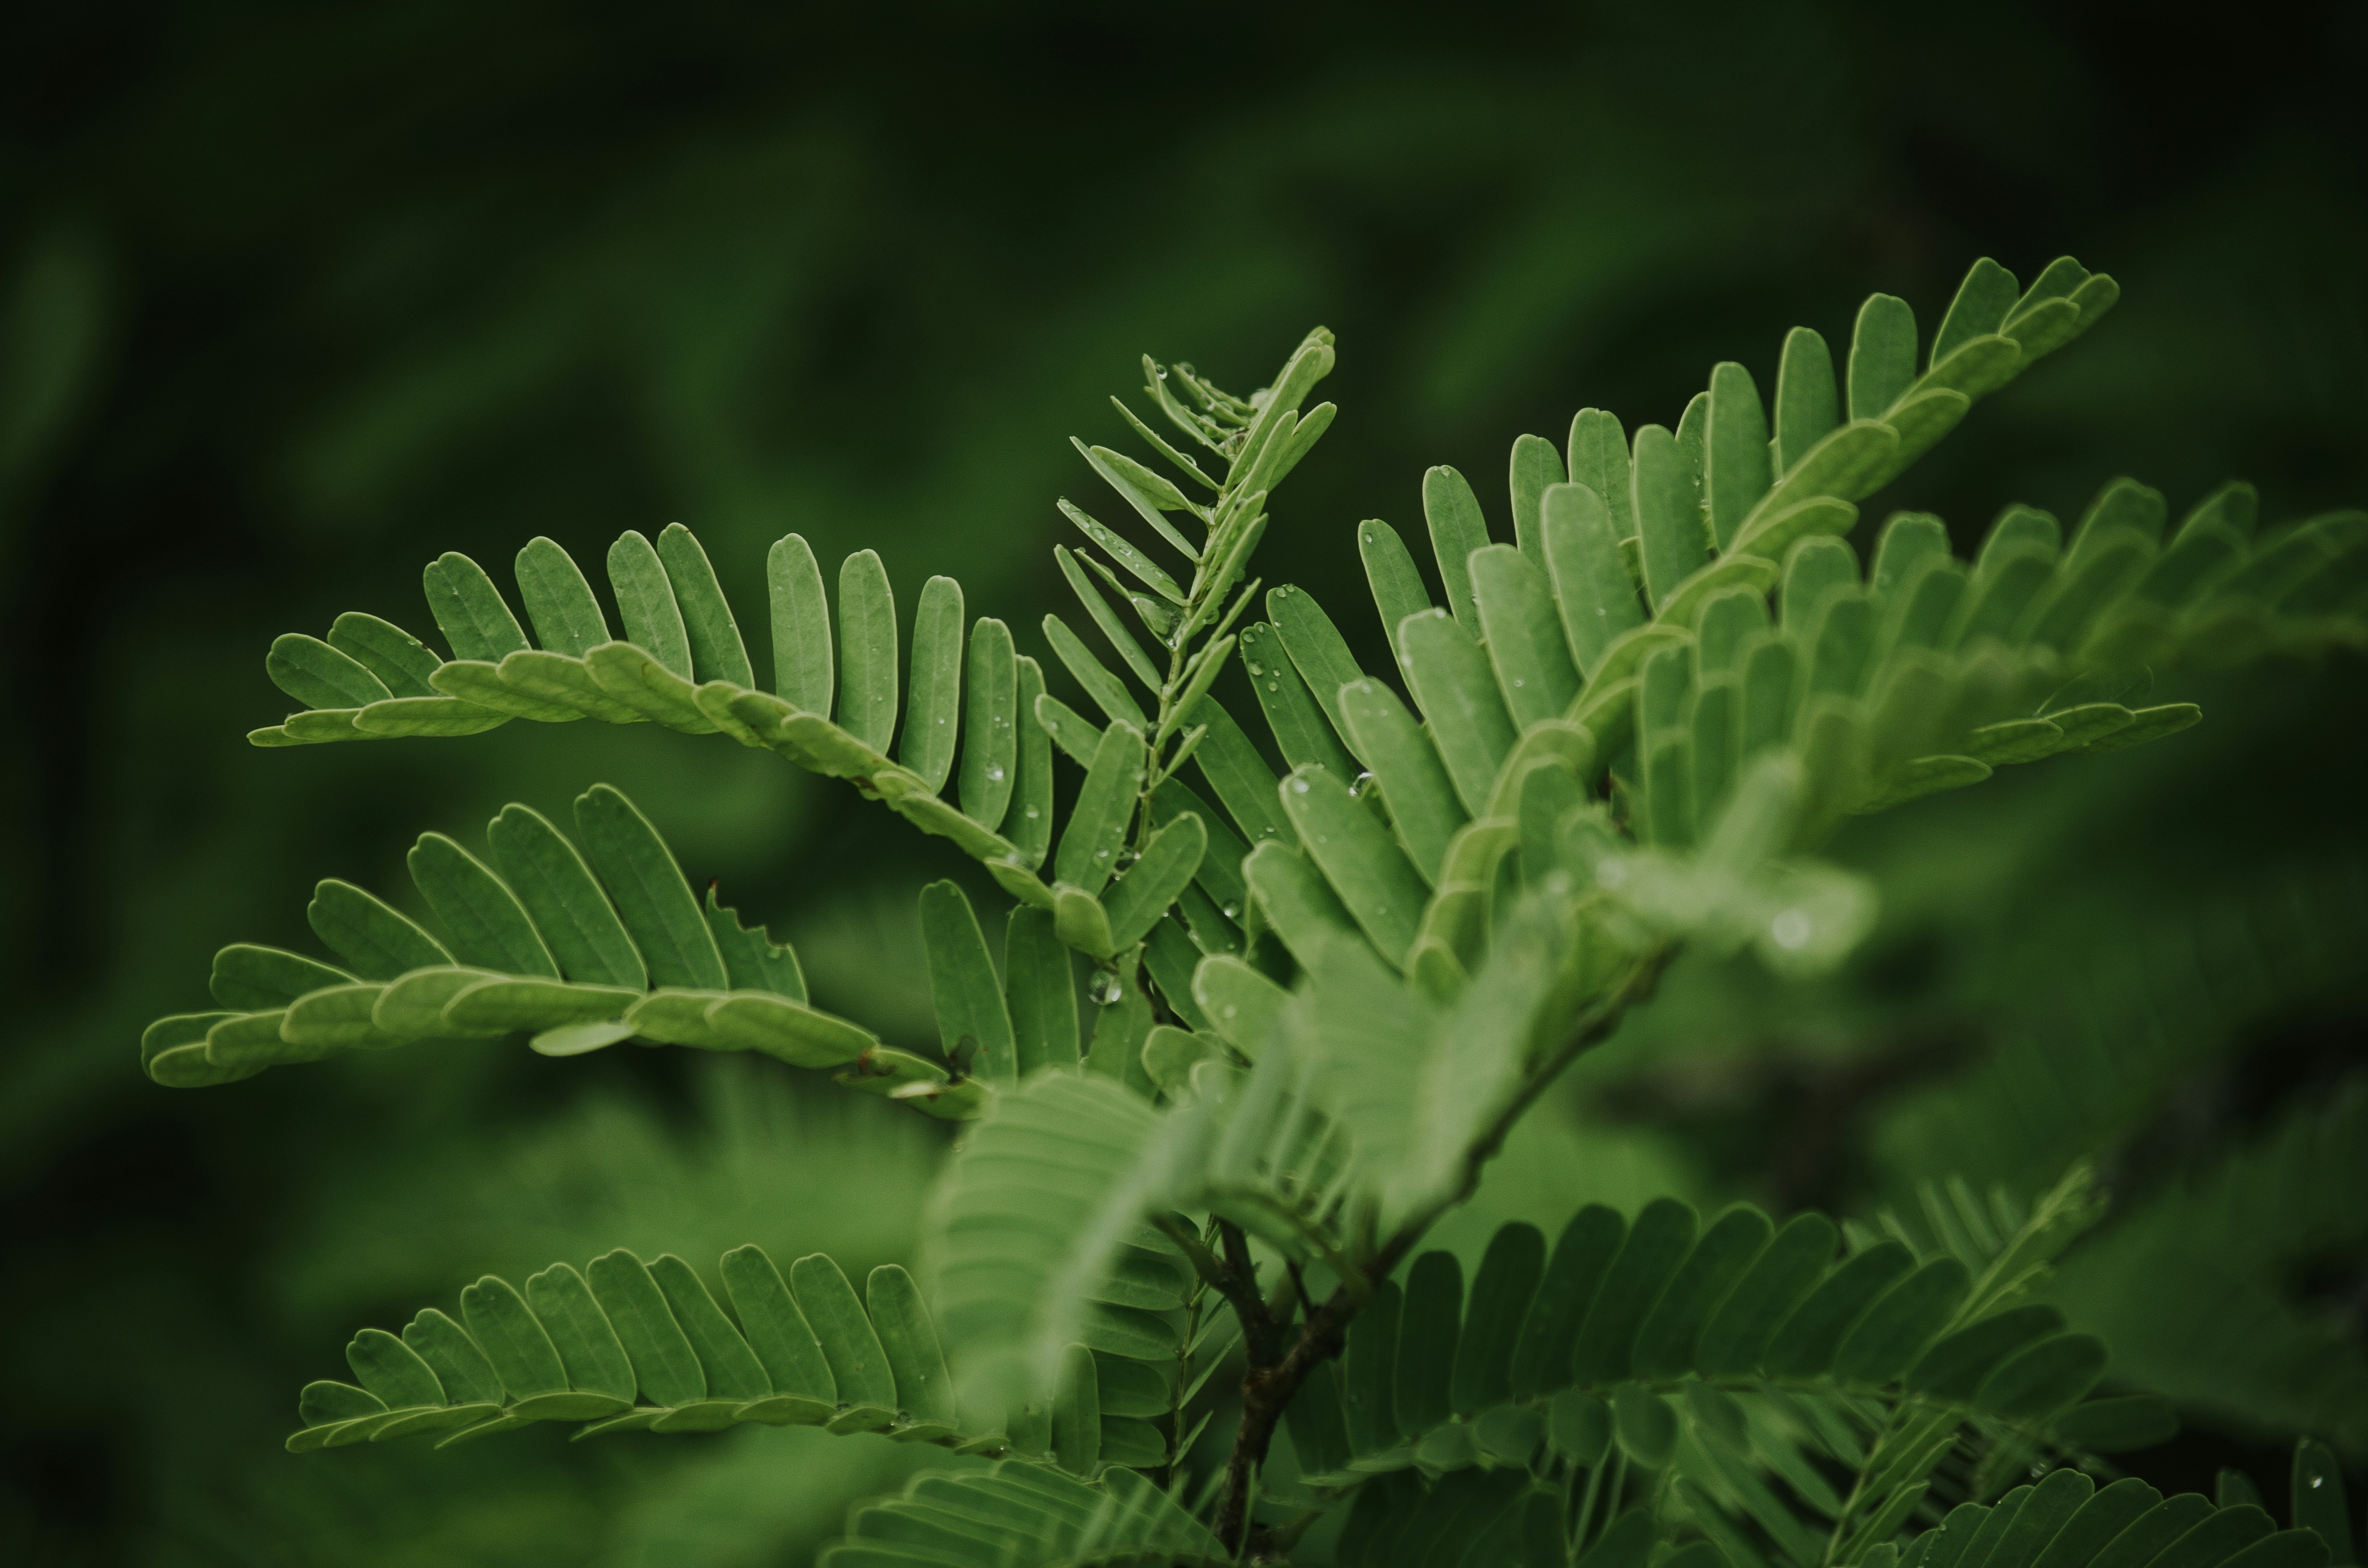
1324,1000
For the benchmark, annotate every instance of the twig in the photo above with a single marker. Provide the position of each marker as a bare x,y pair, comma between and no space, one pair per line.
1261,1337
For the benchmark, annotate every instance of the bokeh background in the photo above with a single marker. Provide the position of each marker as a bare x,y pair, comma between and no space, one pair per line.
293,297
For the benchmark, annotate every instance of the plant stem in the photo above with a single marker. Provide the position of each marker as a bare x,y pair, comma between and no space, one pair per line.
1261,1335
1269,1385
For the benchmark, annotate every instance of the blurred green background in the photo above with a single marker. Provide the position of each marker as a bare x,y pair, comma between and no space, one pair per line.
294,297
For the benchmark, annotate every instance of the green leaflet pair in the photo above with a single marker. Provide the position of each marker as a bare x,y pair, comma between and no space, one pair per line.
684,663
580,945
1739,1363
1441,1377
1741,1478
625,1345
629,1346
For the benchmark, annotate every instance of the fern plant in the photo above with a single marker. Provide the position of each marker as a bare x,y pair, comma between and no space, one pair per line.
1171,1306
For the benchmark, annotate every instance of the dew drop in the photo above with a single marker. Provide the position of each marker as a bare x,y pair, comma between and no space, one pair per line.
1031,813
1791,929
1232,911
1273,686
994,776
1101,854
1518,683
1299,786
1107,989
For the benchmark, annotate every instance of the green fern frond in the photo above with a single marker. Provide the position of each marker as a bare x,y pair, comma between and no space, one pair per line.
1670,1385
1282,1167
2085,1061
1018,1516
626,1346
2066,1521
1324,999
2196,1286
578,945
684,663
1545,1346
1040,1236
